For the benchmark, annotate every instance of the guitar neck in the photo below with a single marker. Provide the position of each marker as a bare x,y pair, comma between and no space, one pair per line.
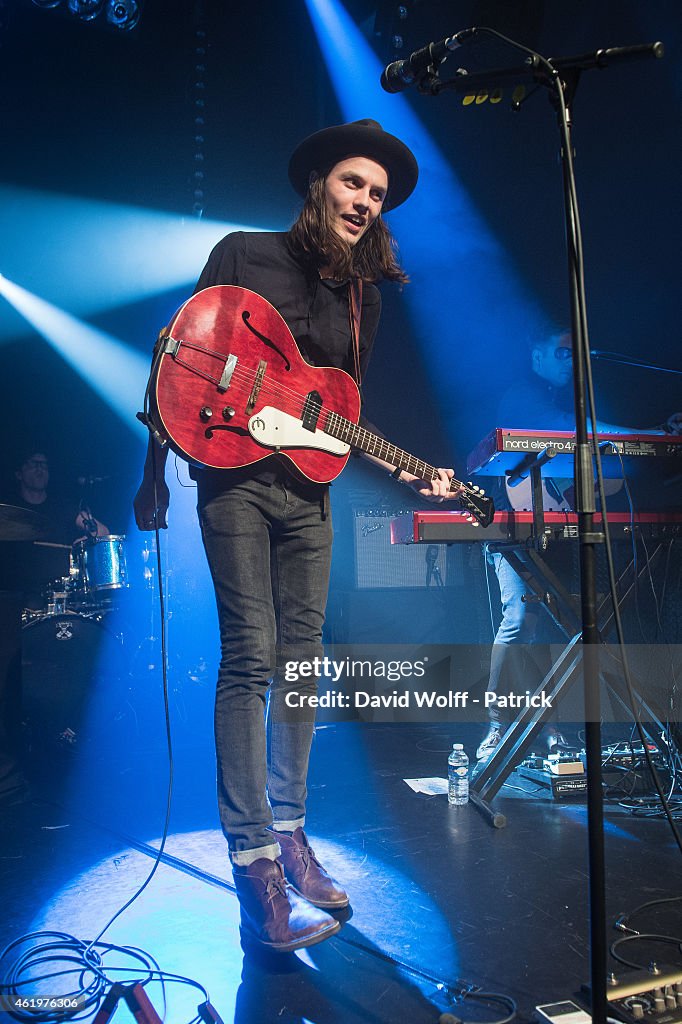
364,440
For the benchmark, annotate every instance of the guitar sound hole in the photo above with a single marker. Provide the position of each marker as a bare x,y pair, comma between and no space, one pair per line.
209,432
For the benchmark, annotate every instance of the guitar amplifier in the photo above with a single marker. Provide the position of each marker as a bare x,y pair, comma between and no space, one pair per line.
380,564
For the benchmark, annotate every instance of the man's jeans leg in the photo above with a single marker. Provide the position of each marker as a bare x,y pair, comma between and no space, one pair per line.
262,543
300,567
518,626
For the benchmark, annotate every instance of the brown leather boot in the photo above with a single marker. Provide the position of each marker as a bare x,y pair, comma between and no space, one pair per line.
305,873
273,916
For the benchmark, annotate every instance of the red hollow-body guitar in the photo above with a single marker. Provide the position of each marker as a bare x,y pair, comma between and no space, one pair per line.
229,387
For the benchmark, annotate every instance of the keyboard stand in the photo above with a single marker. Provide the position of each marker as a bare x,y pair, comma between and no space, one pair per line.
565,611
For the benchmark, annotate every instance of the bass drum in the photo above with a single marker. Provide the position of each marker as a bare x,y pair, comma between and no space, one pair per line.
74,684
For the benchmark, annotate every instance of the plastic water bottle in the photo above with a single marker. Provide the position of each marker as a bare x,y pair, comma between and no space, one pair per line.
458,776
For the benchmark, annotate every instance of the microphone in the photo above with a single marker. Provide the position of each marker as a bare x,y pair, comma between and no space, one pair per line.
401,73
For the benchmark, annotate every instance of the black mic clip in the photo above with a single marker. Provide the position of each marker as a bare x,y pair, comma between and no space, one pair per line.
426,63
429,81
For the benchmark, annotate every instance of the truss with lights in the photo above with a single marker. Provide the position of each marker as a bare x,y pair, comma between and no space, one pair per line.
120,15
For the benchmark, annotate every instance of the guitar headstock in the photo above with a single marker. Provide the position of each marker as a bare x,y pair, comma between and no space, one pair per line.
477,503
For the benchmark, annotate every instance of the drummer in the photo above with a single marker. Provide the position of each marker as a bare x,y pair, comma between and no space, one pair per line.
33,478
66,523
26,569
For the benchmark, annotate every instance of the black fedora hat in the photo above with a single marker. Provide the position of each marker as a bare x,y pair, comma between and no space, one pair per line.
367,138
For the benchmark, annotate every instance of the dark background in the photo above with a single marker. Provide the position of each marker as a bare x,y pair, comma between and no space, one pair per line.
92,114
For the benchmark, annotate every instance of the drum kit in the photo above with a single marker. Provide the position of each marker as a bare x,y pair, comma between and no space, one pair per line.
97,576
70,645
90,643
97,565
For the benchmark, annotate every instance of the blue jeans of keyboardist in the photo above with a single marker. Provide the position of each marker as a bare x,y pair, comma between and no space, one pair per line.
510,666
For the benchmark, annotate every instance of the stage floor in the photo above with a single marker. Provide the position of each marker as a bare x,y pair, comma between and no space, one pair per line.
440,900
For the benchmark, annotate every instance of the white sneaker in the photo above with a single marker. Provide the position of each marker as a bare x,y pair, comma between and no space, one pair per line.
555,739
491,741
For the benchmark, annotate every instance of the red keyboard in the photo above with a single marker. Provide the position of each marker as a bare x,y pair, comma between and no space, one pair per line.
452,527
505,447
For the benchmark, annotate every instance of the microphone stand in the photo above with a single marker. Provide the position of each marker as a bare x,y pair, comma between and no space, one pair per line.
588,539
619,357
561,76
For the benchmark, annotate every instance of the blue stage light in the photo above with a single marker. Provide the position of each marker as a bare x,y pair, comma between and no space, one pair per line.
94,255
116,372
86,10
464,294
123,14
179,896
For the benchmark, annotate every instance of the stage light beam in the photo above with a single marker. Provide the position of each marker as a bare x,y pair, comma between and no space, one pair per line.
464,296
94,256
117,373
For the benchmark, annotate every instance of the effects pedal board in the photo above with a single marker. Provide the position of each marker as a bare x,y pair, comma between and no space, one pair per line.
562,774
648,997
630,755
625,764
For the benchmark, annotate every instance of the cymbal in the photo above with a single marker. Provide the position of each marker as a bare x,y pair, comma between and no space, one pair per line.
17,523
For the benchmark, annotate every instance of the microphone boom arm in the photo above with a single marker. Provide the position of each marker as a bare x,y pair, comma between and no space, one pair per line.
532,69
619,357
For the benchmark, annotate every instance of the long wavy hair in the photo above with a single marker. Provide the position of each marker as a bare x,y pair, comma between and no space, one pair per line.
373,258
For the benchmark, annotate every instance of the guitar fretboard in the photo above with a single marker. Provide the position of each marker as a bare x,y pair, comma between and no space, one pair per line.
359,437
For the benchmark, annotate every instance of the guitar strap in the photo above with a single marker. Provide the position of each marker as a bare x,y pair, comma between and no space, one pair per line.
355,308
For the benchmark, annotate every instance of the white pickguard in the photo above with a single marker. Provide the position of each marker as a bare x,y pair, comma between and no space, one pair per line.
276,429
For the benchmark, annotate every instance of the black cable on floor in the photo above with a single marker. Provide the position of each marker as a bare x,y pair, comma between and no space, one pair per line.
669,940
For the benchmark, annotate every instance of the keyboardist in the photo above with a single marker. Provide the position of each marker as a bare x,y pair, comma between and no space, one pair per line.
542,401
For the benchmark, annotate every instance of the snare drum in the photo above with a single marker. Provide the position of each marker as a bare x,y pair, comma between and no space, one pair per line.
101,563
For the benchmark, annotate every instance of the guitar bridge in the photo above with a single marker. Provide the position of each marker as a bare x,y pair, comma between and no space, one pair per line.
257,384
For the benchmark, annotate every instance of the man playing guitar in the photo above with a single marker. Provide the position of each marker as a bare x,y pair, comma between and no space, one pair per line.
265,521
